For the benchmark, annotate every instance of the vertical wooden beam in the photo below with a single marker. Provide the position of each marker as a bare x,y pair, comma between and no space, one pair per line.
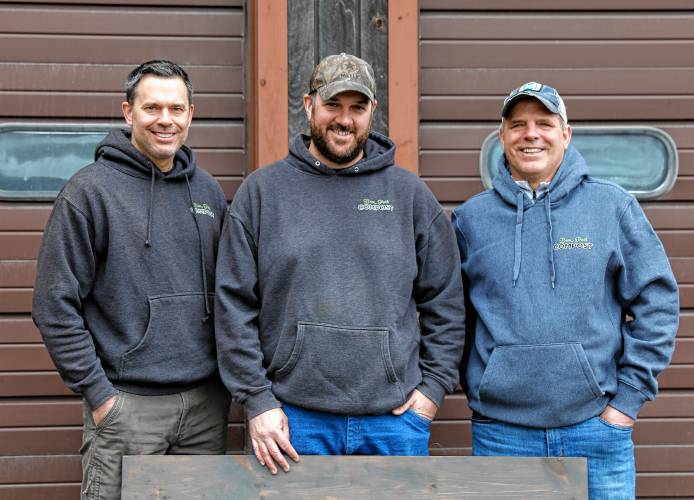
267,116
403,81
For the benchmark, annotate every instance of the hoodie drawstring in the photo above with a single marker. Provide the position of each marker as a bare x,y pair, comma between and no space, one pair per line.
202,253
548,211
517,247
148,240
519,234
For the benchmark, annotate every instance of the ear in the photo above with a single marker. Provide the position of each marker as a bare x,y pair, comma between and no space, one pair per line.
127,112
191,109
567,136
308,106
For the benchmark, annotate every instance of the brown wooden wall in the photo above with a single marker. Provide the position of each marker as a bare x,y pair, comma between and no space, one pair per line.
613,61
66,61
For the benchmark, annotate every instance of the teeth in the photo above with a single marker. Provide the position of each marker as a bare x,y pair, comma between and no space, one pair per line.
531,150
164,135
341,132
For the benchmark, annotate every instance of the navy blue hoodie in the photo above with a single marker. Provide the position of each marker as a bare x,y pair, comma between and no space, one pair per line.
554,285
320,276
123,292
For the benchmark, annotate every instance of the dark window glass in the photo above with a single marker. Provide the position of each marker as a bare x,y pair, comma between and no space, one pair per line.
643,160
37,160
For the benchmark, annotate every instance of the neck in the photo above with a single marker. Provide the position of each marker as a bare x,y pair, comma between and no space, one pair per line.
163,166
536,182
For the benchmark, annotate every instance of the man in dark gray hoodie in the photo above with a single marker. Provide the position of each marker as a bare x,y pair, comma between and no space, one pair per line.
123,287
325,260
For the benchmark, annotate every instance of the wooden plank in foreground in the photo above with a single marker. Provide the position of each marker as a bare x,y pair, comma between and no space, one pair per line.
401,478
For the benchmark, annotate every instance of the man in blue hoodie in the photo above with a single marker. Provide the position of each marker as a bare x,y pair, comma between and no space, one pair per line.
124,287
574,304
325,261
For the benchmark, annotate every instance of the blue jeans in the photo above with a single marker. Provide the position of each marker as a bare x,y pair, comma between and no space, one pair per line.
318,433
608,448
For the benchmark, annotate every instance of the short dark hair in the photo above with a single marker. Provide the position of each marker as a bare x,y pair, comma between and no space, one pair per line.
161,68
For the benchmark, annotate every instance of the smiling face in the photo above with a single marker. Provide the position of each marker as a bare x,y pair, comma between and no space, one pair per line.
534,141
159,116
340,127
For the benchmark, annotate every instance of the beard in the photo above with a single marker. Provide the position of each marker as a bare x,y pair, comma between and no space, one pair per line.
319,139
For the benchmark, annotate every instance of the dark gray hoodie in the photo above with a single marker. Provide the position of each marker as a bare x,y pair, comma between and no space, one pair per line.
125,274
320,276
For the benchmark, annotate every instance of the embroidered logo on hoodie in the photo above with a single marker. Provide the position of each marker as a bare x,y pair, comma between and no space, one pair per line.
577,243
202,209
375,205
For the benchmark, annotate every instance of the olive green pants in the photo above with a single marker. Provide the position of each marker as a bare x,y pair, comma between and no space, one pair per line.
193,422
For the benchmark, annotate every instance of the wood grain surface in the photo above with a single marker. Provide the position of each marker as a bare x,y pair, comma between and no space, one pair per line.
241,477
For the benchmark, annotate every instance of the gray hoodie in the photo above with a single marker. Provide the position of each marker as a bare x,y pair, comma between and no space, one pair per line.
321,274
125,274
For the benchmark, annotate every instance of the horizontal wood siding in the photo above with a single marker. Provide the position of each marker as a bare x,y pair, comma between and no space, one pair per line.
614,62
65,62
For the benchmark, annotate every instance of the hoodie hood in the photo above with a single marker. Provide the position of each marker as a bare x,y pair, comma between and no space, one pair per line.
572,171
122,155
379,153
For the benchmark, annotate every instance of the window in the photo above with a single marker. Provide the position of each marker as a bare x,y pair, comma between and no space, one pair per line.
37,160
643,160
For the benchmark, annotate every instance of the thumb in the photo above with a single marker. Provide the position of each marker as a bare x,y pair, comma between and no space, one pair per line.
402,408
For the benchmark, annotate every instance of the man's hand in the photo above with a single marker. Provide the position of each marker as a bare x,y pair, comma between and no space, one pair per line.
616,417
270,435
100,412
419,403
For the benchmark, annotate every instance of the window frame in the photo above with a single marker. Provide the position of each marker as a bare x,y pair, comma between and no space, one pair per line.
672,158
44,127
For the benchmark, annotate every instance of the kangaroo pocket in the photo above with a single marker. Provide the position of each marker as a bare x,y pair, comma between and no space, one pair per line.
177,347
547,385
340,369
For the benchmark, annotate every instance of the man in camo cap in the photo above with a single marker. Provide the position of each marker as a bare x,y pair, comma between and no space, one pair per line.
325,262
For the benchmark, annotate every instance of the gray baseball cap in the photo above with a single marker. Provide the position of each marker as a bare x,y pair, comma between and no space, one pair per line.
547,95
342,72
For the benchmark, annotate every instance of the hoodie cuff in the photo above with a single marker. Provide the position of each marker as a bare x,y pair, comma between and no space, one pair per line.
260,403
97,394
628,400
432,389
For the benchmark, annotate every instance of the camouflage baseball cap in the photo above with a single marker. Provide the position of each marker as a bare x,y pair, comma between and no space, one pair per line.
547,95
342,72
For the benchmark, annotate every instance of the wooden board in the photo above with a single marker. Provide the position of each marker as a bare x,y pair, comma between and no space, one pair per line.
118,21
73,77
555,26
120,50
552,5
401,478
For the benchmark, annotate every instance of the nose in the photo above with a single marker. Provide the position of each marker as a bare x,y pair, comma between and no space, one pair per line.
343,118
165,116
531,131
